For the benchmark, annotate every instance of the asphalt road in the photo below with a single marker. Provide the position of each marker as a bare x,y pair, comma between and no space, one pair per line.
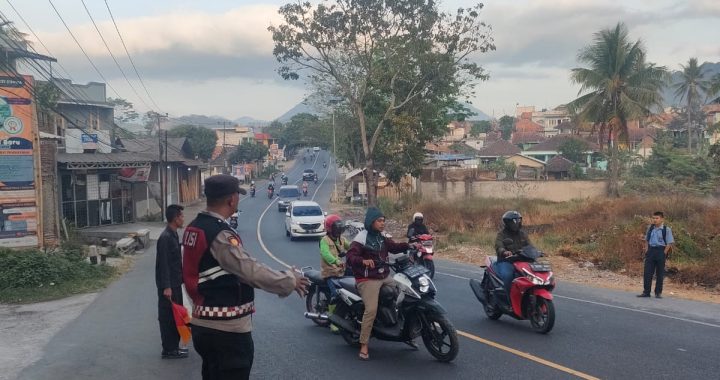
598,333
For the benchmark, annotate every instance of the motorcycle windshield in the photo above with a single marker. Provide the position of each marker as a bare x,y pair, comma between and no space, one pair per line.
530,252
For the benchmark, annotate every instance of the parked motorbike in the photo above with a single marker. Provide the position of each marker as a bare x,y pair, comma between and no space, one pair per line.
530,293
424,255
401,317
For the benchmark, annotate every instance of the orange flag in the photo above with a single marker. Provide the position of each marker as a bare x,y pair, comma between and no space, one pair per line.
182,321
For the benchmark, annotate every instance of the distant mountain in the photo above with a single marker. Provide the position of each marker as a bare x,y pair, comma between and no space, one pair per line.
251,122
479,115
202,120
301,107
669,92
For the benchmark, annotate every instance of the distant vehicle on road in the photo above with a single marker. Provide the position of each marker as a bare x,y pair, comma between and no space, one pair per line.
309,175
287,194
316,149
304,219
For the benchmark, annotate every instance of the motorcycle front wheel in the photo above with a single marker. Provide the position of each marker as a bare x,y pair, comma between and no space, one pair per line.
317,301
440,338
542,316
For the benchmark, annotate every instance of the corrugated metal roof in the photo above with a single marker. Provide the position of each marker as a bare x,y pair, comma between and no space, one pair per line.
119,157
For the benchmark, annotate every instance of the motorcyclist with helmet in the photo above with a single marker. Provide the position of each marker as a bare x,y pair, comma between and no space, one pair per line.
417,227
512,230
252,188
333,248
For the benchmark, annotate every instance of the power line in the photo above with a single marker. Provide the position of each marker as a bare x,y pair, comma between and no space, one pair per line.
82,49
129,57
113,55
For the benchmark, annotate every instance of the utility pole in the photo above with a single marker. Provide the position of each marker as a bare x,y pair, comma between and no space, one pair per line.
162,173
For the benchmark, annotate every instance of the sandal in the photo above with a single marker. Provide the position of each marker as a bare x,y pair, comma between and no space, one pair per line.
364,356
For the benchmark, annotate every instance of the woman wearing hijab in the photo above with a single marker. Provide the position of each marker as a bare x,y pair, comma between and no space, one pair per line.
367,252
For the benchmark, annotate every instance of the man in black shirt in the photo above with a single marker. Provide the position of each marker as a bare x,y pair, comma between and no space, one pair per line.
169,278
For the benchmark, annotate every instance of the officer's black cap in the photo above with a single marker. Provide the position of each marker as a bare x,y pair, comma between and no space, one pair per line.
220,185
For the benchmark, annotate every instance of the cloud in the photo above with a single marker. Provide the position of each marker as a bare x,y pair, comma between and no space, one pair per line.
179,45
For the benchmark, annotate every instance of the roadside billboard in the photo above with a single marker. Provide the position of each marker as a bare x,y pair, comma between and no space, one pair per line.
18,197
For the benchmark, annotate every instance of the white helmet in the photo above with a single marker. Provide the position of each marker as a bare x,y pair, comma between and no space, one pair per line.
418,215
252,182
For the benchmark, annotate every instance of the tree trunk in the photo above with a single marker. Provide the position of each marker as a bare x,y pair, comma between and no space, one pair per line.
370,182
613,184
689,125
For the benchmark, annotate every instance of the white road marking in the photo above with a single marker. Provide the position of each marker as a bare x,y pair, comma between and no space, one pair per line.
612,306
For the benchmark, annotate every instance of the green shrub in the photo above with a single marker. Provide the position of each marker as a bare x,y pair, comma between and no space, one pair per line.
32,268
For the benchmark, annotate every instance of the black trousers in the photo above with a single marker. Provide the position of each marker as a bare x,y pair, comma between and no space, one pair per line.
225,355
168,331
654,265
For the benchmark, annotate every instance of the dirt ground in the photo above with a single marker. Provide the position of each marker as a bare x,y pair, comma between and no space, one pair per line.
564,268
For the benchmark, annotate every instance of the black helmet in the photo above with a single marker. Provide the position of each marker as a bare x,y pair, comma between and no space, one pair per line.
512,220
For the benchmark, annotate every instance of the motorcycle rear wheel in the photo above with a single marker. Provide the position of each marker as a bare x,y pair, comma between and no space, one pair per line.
350,338
430,265
316,301
542,316
440,338
491,311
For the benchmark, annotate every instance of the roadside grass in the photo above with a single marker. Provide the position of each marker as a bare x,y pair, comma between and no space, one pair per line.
607,232
28,276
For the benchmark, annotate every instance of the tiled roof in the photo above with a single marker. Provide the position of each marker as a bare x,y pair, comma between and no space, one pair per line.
525,125
558,164
500,148
527,138
553,144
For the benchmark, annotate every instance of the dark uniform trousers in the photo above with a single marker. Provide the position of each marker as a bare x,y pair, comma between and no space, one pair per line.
168,330
225,355
654,265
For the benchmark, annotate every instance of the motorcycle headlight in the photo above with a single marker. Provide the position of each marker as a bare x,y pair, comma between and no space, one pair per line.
536,280
424,284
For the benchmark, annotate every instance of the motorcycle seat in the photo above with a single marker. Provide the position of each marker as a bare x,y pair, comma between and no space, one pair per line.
314,276
348,283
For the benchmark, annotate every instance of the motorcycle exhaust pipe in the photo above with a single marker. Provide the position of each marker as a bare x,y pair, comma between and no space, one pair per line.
343,324
323,317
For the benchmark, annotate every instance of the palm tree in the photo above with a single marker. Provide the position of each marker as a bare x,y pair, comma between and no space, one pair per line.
618,85
714,86
692,86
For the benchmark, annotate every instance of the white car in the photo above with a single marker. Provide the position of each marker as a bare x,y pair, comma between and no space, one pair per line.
304,219
316,149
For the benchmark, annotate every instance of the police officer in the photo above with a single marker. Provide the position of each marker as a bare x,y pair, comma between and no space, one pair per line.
220,277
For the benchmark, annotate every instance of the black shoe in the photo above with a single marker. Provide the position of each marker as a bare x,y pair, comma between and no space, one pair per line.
183,350
176,354
658,296
644,295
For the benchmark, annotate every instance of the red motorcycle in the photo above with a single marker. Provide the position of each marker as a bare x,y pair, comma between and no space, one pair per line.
530,293
424,254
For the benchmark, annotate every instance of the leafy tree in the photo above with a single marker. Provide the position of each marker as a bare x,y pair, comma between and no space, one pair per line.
248,152
507,126
47,95
692,86
574,150
385,60
618,85
202,140
150,122
478,127
124,110
714,86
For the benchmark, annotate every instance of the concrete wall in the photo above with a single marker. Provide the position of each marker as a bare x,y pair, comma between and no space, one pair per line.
558,191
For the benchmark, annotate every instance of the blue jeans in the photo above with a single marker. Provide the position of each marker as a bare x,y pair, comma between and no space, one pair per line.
331,285
506,271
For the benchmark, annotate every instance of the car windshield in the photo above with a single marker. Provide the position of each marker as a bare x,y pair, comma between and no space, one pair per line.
289,193
309,171
307,211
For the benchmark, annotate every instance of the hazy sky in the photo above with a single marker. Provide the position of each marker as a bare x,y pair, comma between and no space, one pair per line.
214,57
